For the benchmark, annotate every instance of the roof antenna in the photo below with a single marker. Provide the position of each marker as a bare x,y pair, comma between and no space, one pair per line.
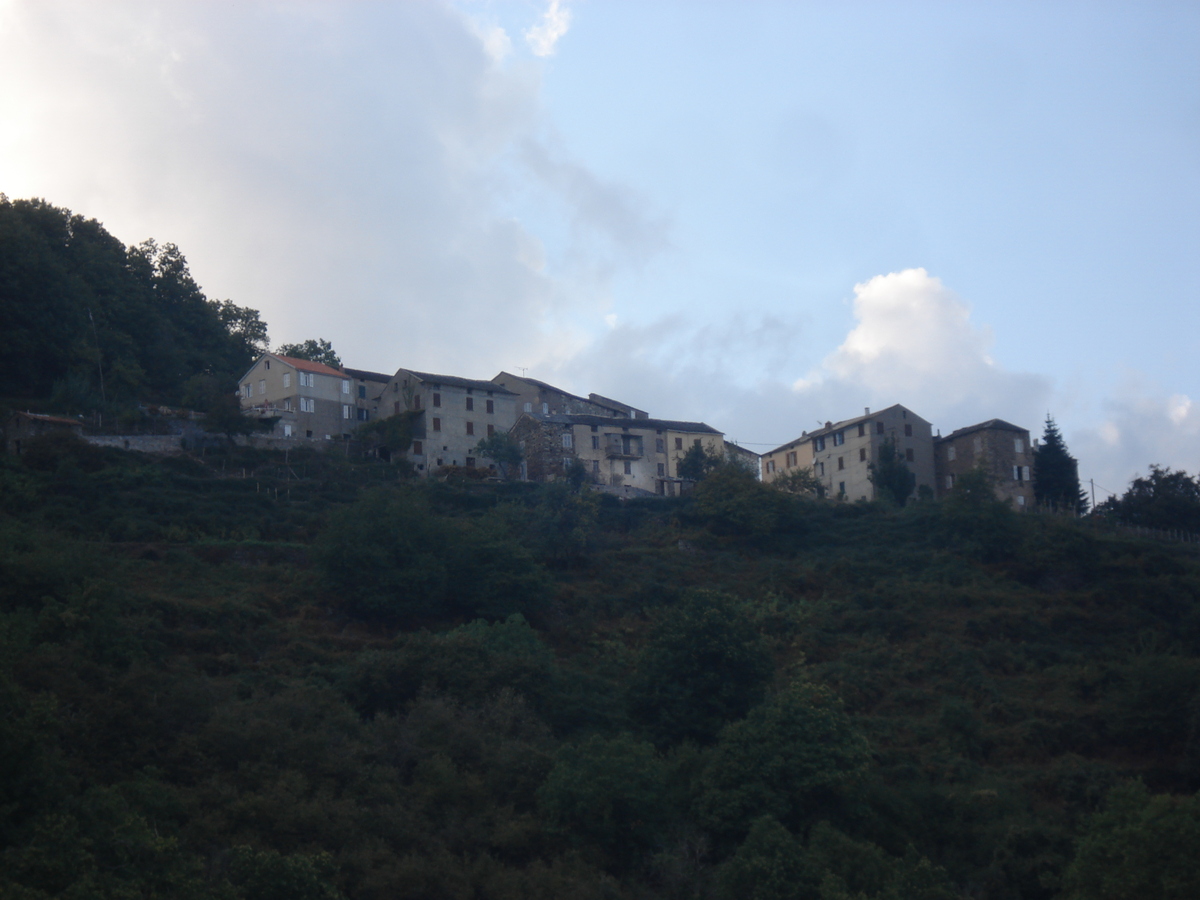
523,369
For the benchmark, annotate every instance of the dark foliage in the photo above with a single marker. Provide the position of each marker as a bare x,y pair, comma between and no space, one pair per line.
1164,499
893,479
314,350
1056,473
96,323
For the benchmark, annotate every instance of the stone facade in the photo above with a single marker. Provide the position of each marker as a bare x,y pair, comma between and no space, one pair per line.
841,454
631,454
535,396
305,400
22,426
1000,448
454,414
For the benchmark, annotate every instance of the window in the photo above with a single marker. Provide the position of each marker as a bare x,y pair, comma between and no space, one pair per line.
862,429
595,442
839,438
818,444
951,453
842,488
470,428
262,386
306,379
696,442
418,448
246,390
437,399
528,407
545,409
1016,473
821,466
364,415
308,404
595,467
660,446
949,482
862,454
678,443
437,424
841,463
470,462
470,404
628,467
346,410
770,466
908,454
287,379
1020,500
287,430
1018,445
267,365
879,428
362,392
662,469
791,459
345,386
396,408
308,433
566,440
491,406
287,403
491,430
908,430
596,428
416,401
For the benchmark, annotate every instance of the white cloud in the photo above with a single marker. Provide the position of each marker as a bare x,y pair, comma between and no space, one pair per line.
914,343
347,169
543,37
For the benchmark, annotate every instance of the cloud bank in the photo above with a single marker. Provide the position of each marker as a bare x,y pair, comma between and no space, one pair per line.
351,170
543,37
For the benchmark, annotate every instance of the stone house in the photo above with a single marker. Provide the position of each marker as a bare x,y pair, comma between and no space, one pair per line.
366,393
535,396
452,415
305,400
22,426
842,453
1001,449
635,455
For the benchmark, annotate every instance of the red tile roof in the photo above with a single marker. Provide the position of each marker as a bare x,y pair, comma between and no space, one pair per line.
307,366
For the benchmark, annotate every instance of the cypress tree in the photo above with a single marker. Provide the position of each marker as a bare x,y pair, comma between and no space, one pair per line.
1056,473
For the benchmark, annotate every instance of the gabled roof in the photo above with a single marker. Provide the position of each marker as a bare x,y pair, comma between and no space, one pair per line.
989,425
364,375
454,381
838,426
310,366
300,364
624,423
50,420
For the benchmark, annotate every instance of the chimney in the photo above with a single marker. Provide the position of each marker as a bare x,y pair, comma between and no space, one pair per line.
866,410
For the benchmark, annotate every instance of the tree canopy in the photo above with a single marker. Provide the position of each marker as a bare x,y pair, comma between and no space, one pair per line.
1163,499
893,479
103,322
314,350
1056,473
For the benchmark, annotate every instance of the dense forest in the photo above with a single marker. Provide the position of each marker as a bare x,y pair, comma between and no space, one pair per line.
240,675
98,326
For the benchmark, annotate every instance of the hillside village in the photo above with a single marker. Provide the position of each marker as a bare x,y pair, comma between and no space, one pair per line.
621,448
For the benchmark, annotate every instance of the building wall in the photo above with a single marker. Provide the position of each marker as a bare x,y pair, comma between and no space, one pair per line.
546,400
841,455
1004,454
624,453
453,419
273,387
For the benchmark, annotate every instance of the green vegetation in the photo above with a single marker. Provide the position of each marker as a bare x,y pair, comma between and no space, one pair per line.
314,350
99,326
243,676
1056,473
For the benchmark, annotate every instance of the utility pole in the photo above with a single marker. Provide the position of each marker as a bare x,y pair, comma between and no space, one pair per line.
1093,483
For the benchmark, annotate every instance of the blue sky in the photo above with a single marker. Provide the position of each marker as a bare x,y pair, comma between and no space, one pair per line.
761,215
